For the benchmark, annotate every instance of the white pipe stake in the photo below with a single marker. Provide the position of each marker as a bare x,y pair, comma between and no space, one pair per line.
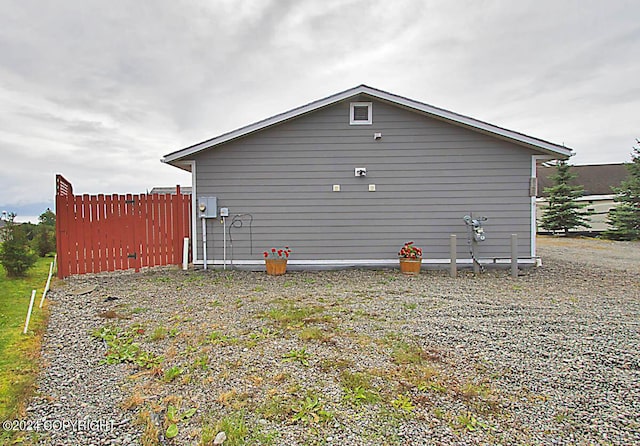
185,254
46,287
26,323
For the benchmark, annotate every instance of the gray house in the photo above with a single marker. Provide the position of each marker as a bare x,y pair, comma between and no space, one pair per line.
346,180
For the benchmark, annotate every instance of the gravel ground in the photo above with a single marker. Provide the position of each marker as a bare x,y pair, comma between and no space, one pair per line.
350,357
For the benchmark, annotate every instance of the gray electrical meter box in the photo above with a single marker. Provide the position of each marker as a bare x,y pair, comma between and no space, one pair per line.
207,207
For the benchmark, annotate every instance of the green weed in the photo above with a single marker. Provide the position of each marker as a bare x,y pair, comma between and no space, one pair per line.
217,338
469,422
301,356
403,403
174,417
432,386
310,410
171,373
358,389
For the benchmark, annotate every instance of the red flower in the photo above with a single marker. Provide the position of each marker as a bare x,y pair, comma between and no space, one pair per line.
279,253
410,251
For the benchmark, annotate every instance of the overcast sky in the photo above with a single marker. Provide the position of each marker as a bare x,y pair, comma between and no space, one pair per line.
99,91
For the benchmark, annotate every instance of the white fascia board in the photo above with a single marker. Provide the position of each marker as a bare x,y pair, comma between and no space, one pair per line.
596,197
383,95
583,198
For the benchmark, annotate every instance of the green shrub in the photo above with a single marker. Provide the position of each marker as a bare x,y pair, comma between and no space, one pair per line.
45,233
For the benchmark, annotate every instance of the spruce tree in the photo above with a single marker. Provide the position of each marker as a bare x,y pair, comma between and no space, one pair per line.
625,218
564,212
15,254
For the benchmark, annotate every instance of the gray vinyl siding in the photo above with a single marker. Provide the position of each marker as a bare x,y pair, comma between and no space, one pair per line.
428,175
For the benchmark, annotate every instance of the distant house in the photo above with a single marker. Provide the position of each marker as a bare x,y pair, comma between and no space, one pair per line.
597,180
346,180
170,190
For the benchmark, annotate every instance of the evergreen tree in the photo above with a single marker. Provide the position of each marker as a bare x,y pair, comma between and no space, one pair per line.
45,240
625,218
564,212
15,254
48,218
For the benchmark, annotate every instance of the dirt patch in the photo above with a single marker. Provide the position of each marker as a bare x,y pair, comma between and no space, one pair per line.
616,255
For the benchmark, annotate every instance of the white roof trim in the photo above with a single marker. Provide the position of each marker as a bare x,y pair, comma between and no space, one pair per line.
586,198
446,115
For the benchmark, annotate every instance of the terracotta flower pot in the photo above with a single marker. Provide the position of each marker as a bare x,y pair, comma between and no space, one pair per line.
410,267
276,267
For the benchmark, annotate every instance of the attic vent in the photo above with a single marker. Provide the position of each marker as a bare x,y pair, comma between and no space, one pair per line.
360,113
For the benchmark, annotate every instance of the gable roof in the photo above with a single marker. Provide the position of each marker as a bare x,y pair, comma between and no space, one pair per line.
597,179
555,150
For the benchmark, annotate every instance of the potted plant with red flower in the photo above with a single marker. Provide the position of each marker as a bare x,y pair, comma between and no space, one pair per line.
410,259
276,261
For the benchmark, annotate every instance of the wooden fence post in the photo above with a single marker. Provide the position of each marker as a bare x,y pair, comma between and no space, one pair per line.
453,267
514,255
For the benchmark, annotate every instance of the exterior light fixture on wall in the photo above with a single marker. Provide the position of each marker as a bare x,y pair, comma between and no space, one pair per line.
361,171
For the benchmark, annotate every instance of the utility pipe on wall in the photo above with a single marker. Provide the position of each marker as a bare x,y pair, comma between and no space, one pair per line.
224,246
204,241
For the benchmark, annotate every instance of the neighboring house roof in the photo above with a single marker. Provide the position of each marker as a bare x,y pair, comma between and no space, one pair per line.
597,179
170,190
555,150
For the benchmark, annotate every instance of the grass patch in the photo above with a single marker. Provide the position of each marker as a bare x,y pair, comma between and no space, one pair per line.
358,389
291,317
314,334
19,353
235,428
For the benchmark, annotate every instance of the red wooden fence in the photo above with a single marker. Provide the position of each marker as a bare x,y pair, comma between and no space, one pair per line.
115,232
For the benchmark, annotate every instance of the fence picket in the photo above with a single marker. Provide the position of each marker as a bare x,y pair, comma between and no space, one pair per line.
101,234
